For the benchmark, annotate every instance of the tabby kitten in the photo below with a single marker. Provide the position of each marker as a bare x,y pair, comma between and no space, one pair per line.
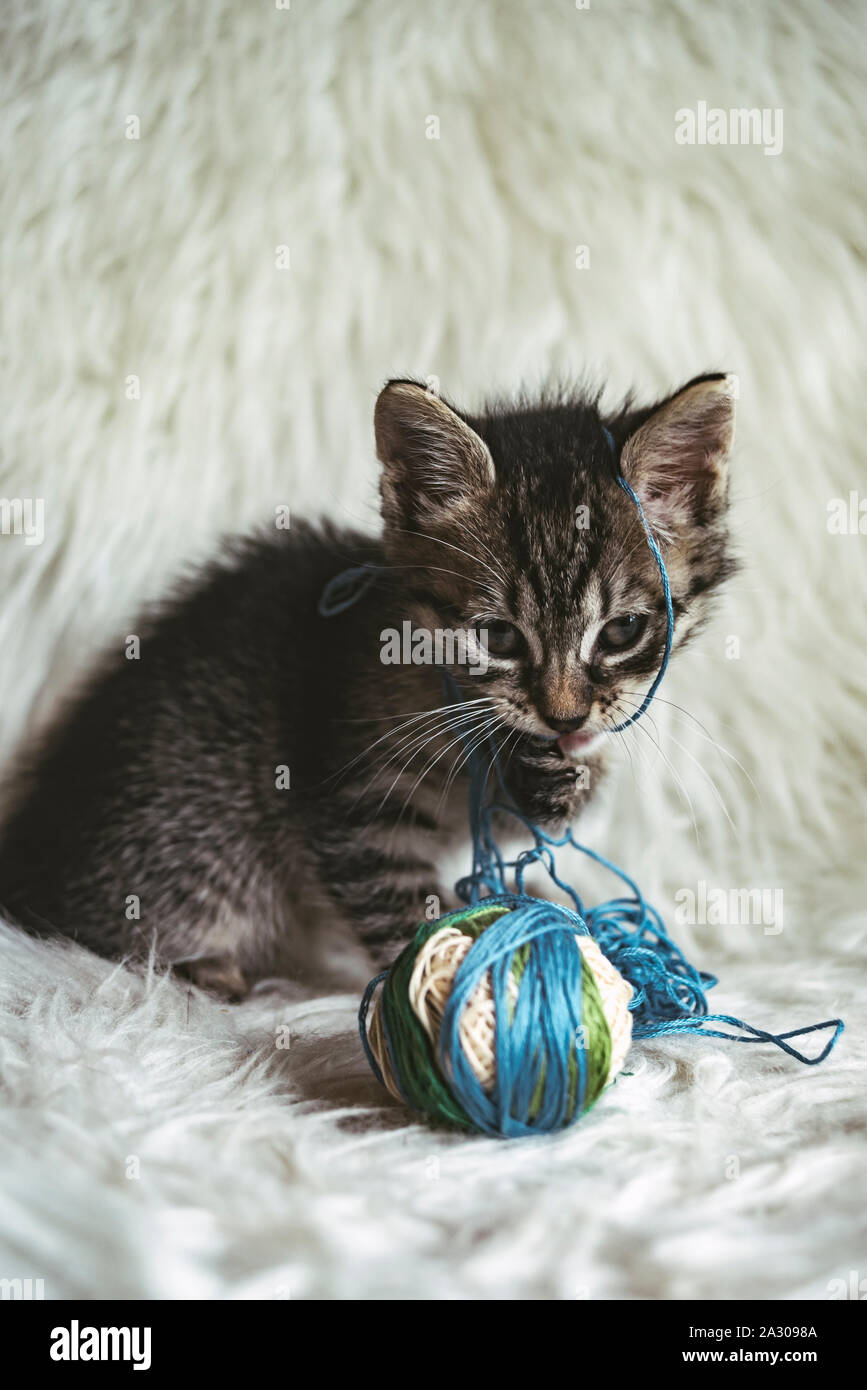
259,767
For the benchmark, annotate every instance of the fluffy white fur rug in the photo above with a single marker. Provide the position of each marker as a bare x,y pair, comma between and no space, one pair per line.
157,1144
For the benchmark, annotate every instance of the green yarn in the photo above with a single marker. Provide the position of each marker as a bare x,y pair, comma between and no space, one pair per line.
413,1058
597,1035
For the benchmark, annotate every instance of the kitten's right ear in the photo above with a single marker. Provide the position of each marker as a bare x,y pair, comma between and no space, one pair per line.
432,461
677,460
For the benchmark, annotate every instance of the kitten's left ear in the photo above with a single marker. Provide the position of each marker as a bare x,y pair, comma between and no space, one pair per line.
677,460
432,461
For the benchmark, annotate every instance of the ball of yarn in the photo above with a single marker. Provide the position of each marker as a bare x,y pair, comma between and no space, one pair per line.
503,1017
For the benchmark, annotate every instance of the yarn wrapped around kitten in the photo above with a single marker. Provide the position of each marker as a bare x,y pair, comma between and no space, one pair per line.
502,1017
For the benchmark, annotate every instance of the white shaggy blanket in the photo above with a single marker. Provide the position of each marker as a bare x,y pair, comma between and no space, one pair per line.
168,376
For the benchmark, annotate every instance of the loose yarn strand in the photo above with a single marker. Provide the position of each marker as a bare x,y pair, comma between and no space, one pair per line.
346,588
666,590
670,994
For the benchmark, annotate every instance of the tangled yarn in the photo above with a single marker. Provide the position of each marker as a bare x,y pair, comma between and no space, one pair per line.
511,1015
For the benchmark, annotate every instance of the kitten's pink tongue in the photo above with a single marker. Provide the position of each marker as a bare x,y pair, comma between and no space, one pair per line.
573,743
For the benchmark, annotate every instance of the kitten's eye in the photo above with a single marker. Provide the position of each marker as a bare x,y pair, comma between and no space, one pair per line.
504,639
622,632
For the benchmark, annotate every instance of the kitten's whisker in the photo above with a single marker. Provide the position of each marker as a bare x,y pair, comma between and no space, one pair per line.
707,736
640,727
456,767
471,748
498,755
499,574
420,737
440,569
391,565
500,568
429,739
701,769
452,721
620,558
511,750
711,783
621,734
423,715
488,721
461,757
641,750
613,563
377,718
420,741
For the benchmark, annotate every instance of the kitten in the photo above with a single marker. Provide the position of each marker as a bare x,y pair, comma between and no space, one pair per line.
260,763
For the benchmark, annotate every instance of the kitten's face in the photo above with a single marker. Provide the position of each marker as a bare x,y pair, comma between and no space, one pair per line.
515,524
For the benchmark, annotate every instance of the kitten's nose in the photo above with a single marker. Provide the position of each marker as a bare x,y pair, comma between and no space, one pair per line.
565,726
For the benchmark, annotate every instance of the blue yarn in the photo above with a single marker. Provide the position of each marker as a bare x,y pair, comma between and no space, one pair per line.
666,590
346,588
540,1039
531,1093
670,994
363,1010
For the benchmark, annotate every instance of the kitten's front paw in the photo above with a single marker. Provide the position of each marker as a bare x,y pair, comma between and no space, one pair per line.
547,787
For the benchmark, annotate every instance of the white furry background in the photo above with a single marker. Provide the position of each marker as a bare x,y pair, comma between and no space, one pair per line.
714,1170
